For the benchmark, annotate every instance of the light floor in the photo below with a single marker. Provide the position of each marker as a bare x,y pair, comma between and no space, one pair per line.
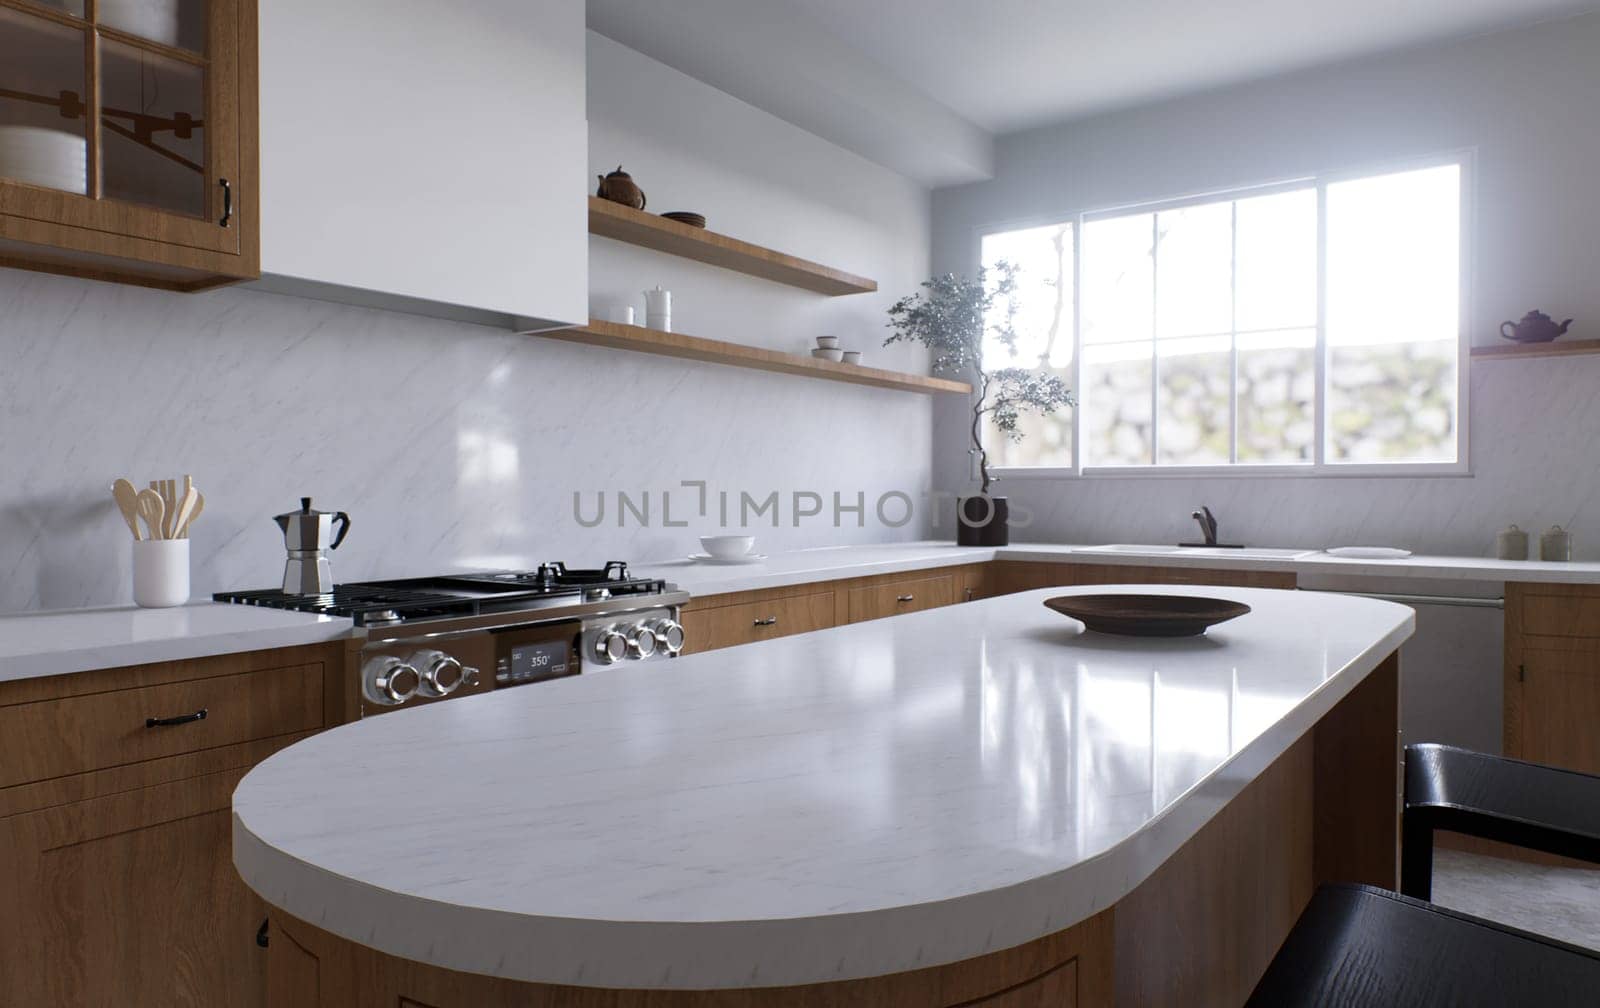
1562,903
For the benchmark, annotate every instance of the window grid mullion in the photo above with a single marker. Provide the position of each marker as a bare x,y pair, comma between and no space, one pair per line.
1319,400
1077,344
1233,335
1155,339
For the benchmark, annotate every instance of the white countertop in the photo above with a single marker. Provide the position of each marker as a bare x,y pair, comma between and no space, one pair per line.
851,802
76,640
55,643
802,566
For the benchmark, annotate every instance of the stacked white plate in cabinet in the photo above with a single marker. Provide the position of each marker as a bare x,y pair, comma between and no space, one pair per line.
40,156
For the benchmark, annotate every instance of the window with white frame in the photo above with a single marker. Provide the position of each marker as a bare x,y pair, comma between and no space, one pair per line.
1311,324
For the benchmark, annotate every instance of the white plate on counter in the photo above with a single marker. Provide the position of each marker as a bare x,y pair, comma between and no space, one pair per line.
1368,552
748,558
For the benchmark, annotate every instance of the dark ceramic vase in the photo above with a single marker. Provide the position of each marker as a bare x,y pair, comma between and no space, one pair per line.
983,521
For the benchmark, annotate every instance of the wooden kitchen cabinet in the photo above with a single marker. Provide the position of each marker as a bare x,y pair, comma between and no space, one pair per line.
761,616
116,869
896,597
128,140
1011,576
1552,675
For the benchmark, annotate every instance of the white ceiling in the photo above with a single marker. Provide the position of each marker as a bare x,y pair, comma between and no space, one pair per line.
1010,64
921,85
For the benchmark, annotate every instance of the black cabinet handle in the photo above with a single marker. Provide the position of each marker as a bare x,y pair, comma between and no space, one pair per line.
168,722
769,621
261,933
227,202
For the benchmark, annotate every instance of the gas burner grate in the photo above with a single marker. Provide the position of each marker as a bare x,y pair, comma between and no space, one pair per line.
359,602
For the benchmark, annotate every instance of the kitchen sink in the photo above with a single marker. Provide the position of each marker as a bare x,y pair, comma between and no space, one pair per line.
1247,553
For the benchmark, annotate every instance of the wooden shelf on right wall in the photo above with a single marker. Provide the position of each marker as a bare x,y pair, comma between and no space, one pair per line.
1558,348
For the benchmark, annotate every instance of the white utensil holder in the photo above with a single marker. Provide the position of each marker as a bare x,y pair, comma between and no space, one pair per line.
161,573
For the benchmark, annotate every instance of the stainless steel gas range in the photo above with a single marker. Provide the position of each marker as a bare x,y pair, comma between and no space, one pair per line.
428,639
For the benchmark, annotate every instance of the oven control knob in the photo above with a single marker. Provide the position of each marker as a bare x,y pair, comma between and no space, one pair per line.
441,674
641,641
389,681
668,633
610,646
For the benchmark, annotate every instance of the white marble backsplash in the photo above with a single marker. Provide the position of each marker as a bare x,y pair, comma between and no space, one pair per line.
449,444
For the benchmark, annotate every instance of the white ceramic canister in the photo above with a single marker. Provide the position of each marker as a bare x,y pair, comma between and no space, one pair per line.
161,573
658,309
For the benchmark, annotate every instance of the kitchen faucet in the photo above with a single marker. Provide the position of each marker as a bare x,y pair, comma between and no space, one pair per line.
1208,528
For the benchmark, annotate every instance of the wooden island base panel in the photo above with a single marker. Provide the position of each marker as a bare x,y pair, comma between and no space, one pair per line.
1198,932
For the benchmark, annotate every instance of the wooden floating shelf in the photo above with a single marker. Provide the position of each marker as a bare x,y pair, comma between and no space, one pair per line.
1558,348
651,231
670,344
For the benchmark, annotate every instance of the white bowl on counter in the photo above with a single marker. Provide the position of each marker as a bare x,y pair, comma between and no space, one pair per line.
727,547
824,353
38,155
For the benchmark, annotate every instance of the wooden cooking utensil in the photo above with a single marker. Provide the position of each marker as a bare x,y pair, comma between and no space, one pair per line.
152,510
169,499
180,521
127,499
194,512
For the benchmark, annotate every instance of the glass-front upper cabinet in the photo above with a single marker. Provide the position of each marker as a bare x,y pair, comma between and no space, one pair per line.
127,139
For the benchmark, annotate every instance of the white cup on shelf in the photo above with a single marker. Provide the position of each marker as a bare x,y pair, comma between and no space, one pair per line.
160,573
658,309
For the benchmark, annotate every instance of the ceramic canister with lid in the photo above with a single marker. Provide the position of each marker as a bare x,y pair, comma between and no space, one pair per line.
1556,545
1512,544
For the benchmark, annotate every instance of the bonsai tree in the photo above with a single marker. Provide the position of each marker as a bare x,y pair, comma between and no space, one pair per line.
951,316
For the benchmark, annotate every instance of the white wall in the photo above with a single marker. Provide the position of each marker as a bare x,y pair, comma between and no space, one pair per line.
423,154
455,444
1525,101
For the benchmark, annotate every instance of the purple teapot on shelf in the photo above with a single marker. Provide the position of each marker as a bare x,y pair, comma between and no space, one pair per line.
1535,327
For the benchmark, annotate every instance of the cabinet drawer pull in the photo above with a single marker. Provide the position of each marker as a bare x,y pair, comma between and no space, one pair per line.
168,722
905,598
227,202
769,621
261,934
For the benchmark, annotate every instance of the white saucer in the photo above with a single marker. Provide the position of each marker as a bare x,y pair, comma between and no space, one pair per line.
748,558
1368,552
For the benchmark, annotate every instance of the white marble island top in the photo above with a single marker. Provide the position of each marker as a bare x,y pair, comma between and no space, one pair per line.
852,802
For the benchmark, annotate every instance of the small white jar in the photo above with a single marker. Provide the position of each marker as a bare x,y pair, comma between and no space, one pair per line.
161,573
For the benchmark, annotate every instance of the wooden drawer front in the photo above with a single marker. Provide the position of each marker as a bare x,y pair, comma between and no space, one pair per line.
726,626
1560,615
1092,574
1012,576
896,597
53,738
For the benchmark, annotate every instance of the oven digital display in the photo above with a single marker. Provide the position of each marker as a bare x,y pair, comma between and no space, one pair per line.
549,659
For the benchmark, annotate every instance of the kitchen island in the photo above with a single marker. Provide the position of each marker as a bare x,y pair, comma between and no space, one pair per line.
975,805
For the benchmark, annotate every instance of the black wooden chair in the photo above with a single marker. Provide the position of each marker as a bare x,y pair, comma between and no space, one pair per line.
1525,804
1361,947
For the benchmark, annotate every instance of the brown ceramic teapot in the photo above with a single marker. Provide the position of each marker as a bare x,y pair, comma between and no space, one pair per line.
619,187
1535,327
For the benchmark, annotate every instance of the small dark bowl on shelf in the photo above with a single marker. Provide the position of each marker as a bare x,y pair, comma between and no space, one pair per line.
1147,615
686,217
